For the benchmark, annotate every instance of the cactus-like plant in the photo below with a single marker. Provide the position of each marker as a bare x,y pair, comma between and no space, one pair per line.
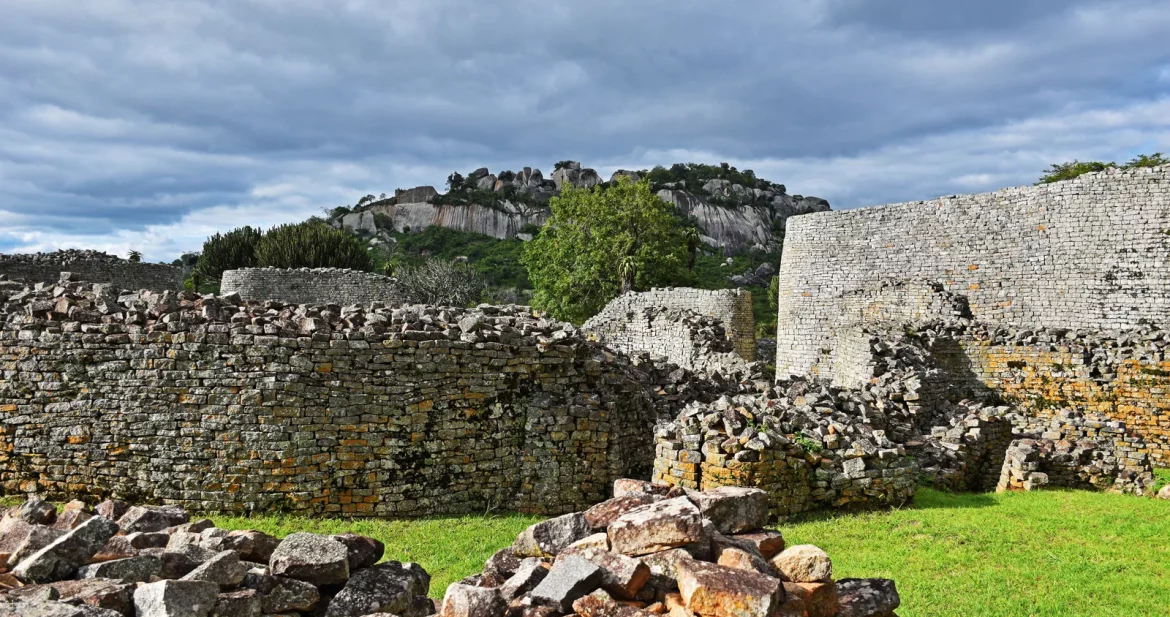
231,251
311,245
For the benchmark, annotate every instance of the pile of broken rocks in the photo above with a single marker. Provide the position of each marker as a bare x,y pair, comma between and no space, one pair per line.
651,550
136,561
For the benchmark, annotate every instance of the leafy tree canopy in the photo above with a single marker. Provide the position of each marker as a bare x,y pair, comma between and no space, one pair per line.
599,242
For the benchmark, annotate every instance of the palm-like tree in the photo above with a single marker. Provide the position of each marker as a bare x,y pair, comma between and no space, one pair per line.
135,256
628,270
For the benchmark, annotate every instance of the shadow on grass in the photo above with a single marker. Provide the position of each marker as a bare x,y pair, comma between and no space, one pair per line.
924,499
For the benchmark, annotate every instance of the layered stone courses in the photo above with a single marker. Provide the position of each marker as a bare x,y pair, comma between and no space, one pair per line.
91,266
219,405
312,286
670,322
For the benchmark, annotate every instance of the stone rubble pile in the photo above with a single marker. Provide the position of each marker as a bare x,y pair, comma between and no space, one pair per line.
139,561
653,550
62,257
1076,450
806,443
965,454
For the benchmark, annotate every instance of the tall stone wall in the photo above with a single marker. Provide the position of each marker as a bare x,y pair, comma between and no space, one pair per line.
91,266
659,321
312,286
1092,253
224,406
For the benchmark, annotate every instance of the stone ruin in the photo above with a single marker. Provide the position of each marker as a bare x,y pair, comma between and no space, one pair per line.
314,286
92,266
648,550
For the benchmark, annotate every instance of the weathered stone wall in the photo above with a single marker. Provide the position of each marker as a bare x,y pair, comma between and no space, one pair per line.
652,321
91,266
220,406
1091,253
312,286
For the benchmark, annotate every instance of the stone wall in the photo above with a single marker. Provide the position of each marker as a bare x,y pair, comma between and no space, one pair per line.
312,286
1092,253
91,266
653,321
218,405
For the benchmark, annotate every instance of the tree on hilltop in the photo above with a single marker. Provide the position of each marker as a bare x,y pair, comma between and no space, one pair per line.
599,242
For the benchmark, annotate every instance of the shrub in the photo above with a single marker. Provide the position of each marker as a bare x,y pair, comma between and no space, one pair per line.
311,245
1068,171
231,251
441,282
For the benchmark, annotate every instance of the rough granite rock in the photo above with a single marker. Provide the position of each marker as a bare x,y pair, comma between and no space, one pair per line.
66,554
599,541
527,576
223,569
622,576
391,587
501,565
804,563
600,604
656,527
281,595
867,597
142,518
820,599
312,558
768,542
111,509
97,593
467,601
362,551
239,603
29,540
70,519
601,515
664,569
569,579
130,570
551,536
36,511
176,599
740,559
623,487
259,547
734,509
716,591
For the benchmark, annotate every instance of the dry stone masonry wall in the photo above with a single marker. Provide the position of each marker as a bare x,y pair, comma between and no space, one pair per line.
222,405
682,324
312,286
1092,253
93,266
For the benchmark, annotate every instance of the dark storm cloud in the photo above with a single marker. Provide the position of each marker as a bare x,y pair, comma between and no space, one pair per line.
153,123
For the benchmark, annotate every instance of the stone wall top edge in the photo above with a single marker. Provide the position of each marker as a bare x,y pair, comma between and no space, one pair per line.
797,222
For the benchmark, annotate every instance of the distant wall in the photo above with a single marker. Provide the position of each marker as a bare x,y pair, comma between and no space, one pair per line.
120,274
1091,253
653,321
311,286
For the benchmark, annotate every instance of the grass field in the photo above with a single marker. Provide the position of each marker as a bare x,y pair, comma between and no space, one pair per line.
1046,553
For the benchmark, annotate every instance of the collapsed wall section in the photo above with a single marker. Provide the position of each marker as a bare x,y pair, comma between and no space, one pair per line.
218,405
669,322
91,266
316,286
1091,253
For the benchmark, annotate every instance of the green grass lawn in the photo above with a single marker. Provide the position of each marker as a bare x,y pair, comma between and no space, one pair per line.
1019,554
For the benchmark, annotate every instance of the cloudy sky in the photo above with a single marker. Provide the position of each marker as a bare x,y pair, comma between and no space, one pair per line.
149,125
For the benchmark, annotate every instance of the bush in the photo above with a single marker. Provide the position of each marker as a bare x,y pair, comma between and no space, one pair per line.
440,282
231,251
311,245
1068,171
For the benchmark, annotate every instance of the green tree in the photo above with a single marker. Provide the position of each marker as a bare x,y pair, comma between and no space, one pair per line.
311,245
693,240
1067,171
231,251
597,243
1148,160
134,256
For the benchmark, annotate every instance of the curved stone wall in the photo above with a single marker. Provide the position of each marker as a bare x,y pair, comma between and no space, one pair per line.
312,286
1092,253
658,321
91,266
369,412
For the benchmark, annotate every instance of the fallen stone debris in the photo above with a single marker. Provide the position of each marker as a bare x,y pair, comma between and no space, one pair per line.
117,560
649,550
657,550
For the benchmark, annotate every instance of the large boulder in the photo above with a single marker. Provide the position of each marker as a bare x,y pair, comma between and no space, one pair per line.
176,599
804,563
391,587
361,551
224,569
471,601
66,554
867,597
37,511
138,569
734,509
656,527
717,591
549,537
569,579
312,558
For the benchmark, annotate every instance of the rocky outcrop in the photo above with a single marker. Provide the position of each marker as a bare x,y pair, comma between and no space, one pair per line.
732,216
